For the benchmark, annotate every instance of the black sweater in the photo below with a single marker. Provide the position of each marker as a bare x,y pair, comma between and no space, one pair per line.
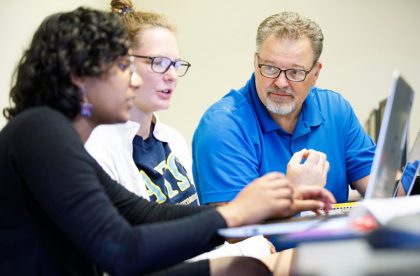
60,213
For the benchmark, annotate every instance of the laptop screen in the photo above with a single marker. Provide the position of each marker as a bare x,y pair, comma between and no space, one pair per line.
391,140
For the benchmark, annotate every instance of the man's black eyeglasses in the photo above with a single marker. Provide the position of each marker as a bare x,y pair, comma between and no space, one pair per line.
274,72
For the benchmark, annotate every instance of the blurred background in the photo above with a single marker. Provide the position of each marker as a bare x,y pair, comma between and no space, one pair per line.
365,41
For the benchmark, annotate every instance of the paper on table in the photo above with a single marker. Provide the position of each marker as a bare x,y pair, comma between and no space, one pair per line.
387,208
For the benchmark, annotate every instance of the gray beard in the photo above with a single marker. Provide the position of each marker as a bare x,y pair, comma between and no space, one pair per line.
280,108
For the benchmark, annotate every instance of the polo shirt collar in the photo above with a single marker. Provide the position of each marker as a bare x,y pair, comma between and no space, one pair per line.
310,115
266,122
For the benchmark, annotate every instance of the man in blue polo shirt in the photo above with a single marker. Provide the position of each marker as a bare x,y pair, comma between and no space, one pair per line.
278,113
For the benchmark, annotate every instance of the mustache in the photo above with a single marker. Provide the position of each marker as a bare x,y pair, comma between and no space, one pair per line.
275,89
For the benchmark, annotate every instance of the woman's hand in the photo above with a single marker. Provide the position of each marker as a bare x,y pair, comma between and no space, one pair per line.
312,198
273,196
268,196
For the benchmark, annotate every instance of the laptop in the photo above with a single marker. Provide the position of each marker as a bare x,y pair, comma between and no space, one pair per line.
391,140
385,165
411,170
390,146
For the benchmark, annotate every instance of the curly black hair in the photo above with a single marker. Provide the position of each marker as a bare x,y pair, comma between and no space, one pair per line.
81,42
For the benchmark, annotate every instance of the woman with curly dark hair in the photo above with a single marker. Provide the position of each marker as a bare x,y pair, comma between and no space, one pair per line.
60,213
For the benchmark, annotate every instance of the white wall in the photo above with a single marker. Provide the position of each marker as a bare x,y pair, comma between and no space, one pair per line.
18,21
364,42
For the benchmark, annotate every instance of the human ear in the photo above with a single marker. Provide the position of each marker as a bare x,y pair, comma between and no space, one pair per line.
85,105
255,60
78,81
318,68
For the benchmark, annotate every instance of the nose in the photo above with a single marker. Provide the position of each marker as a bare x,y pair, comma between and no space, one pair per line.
171,74
281,80
135,80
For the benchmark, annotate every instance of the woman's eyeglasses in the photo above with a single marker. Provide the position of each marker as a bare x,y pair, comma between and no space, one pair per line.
162,64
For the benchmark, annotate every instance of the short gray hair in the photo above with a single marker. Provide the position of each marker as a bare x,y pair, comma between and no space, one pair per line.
291,25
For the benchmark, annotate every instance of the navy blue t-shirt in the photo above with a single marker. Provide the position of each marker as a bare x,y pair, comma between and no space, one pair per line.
166,179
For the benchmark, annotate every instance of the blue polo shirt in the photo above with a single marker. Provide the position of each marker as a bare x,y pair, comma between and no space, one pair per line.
237,141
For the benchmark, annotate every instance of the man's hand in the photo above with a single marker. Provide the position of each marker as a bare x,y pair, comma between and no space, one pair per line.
313,171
